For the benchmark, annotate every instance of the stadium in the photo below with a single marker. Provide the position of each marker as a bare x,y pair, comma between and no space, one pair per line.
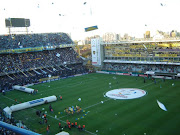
129,87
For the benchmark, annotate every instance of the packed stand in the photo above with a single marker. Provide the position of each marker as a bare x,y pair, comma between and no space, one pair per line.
26,68
33,40
141,52
12,63
141,68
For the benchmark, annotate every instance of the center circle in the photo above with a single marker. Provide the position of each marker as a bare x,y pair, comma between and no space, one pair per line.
126,93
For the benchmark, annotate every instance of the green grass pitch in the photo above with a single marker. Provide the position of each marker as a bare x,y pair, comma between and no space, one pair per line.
113,117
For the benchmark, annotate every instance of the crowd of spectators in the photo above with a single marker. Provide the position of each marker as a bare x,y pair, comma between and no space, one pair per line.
29,67
144,52
12,121
33,40
13,63
141,68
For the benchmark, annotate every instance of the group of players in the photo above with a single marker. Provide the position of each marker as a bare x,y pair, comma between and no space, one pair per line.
68,111
72,125
72,110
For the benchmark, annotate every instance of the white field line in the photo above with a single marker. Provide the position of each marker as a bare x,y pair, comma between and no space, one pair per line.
96,104
84,108
89,106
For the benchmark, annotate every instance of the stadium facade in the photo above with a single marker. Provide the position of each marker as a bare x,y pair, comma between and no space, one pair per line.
139,57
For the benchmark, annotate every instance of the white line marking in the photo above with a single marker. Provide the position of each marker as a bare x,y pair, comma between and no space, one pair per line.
96,104
84,108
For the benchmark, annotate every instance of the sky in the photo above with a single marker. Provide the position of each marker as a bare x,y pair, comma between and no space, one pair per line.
72,16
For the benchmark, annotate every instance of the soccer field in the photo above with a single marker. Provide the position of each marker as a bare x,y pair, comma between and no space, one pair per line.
140,116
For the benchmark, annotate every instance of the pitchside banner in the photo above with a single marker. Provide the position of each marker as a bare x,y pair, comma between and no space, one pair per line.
95,51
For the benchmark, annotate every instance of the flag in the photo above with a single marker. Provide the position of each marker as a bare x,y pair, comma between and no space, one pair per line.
91,28
58,55
161,106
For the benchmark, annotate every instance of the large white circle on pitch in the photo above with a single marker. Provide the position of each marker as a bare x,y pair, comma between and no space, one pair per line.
126,93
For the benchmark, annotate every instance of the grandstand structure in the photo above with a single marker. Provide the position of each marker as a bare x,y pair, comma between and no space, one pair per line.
157,57
36,58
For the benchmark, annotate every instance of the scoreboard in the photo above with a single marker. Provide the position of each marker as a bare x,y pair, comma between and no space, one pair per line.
17,22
